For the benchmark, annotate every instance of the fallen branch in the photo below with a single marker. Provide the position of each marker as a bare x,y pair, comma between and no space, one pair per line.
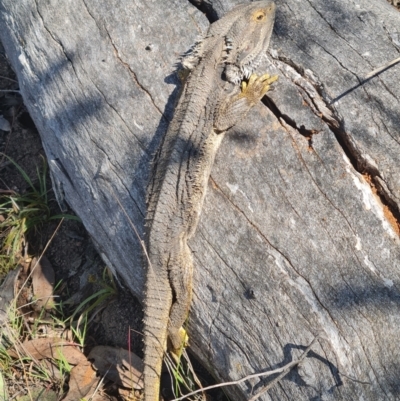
284,370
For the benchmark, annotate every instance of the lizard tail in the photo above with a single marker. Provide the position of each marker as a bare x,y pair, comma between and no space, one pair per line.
157,309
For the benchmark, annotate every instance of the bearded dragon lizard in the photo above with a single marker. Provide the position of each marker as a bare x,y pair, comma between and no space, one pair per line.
212,101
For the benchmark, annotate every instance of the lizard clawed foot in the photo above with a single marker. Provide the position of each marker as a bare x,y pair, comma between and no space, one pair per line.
178,342
257,86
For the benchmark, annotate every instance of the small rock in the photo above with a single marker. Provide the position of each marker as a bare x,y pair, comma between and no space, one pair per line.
4,124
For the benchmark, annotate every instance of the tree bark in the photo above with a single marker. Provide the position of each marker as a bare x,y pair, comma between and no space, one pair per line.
299,233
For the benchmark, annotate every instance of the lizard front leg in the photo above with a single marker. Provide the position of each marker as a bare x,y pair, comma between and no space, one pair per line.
234,108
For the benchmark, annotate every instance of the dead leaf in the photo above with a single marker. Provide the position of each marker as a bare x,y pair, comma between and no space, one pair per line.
51,347
38,393
82,381
43,283
103,397
119,365
51,368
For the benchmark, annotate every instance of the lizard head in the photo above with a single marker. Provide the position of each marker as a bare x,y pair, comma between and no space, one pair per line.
247,39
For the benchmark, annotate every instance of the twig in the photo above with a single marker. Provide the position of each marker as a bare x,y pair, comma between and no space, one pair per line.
39,258
16,394
37,299
284,369
101,381
380,69
191,369
176,370
9,79
10,90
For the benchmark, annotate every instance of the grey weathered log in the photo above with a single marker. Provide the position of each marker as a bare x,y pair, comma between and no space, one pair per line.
299,231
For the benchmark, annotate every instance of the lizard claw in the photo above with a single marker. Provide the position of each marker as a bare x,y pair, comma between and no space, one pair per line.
176,351
257,86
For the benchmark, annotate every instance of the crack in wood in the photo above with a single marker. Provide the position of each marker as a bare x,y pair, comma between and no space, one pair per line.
324,109
206,8
302,130
125,64
370,173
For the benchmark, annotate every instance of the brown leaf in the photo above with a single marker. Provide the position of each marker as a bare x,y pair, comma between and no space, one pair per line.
54,348
82,381
99,395
119,365
38,393
43,283
51,368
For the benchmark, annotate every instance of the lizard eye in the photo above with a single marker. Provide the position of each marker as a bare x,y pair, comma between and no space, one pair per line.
259,16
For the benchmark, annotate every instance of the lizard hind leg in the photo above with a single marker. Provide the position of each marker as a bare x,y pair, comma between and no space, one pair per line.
180,267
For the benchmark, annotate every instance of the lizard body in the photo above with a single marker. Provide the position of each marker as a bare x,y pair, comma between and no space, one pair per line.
211,102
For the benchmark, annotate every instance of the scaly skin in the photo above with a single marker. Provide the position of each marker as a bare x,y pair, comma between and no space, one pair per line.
211,102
